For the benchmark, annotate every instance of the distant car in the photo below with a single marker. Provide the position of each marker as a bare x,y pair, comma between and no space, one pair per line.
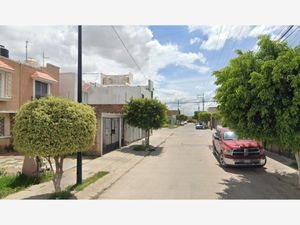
233,151
199,126
183,123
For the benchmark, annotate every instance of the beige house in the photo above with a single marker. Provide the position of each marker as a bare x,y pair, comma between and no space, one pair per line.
68,85
19,83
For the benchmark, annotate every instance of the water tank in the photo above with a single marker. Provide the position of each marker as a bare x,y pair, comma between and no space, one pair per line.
4,52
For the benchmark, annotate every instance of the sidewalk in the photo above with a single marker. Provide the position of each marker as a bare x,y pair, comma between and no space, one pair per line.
117,163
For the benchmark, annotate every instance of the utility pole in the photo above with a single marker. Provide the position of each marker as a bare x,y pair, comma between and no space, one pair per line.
79,98
178,106
44,57
26,50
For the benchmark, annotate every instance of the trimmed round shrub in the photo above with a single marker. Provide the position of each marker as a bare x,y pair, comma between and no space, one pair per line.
54,126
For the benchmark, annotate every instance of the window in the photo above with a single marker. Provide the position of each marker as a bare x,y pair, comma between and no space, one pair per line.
41,89
1,126
230,136
5,84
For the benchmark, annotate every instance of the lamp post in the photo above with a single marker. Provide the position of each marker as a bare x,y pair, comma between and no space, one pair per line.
79,98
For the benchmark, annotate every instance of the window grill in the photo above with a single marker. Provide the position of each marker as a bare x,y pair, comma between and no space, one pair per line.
1,126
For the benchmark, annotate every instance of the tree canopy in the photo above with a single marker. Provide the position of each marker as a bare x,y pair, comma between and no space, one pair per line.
181,118
54,127
203,117
145,114
259,93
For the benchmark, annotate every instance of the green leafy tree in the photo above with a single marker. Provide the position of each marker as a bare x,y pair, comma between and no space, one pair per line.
146,114
217,117
196,116
204,117
181,117
53,128
259,94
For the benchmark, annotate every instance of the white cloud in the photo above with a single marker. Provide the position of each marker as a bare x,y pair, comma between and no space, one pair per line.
218,35
195,40
102,51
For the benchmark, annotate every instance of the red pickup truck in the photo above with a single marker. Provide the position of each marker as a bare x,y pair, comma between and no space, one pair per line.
237,152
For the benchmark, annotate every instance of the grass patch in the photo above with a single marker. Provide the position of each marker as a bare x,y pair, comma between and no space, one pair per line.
170,126
70,190
14,183
294,165
139,148
62,195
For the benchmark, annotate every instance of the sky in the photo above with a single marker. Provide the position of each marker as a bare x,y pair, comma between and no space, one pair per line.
179,59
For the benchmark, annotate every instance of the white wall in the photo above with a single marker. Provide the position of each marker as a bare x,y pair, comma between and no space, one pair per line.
68,86
132,134
116,94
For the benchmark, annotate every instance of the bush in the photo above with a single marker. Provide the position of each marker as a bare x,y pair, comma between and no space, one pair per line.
54,127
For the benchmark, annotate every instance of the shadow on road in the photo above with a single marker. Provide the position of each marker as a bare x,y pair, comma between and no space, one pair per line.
257,183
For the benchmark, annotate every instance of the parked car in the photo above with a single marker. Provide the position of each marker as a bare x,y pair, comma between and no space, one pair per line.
233,151
199,126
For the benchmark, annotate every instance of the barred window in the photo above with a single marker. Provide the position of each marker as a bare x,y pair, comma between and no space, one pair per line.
1,126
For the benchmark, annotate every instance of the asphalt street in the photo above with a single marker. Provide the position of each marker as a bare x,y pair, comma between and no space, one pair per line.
184,167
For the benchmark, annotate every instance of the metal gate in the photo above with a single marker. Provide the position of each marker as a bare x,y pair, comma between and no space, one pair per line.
110,134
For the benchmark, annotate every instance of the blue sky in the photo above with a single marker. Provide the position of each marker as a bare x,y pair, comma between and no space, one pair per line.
179,59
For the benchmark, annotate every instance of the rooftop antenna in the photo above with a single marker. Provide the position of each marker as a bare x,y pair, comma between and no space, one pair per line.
44,57
26,50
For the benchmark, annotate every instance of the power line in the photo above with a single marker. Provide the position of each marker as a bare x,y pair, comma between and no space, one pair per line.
280,33
125,47
285,33
290,33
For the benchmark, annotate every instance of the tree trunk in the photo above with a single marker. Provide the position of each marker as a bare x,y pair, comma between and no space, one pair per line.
297,156
58,172
147,138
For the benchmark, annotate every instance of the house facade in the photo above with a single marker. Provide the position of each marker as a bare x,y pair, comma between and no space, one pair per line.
19,83
172,116
68,87
108,99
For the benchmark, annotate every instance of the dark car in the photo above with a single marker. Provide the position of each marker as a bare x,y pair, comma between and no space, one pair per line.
199,126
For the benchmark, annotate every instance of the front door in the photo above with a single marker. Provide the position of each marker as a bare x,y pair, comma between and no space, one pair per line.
110,134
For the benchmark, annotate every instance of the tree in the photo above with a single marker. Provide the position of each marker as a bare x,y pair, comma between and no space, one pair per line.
54,127
146,114
180,118
259,94
204,117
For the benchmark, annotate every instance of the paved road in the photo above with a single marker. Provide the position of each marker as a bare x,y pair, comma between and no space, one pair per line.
185,168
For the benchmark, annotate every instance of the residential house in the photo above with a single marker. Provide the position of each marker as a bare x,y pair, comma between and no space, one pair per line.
68,87
108,99
19,83
172,116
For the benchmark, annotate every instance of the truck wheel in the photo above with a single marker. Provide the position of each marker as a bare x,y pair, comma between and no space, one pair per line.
221,158
264,163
